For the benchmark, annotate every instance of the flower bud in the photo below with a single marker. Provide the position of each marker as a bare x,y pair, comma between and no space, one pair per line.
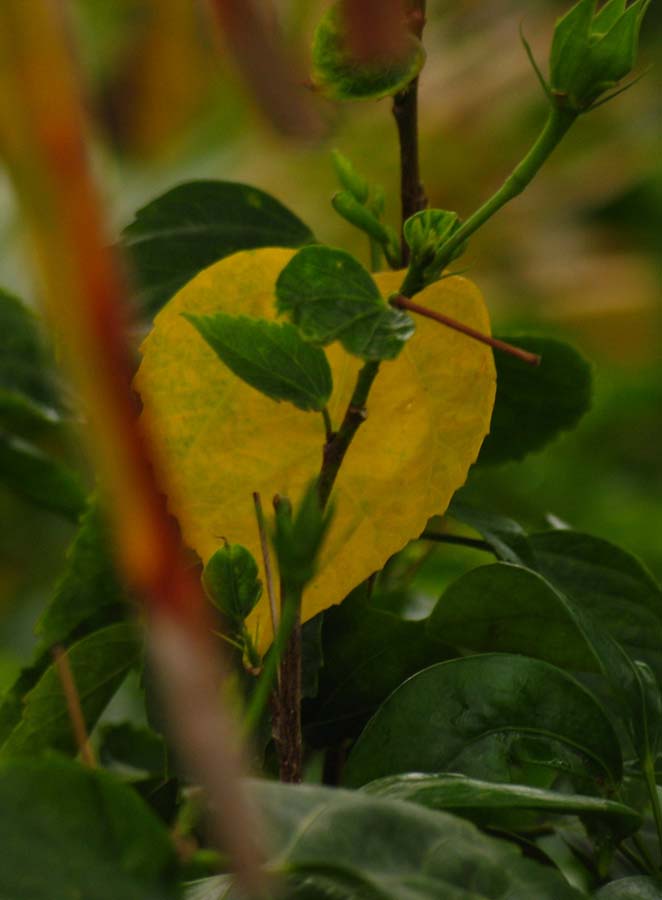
349,177
591,52
350,209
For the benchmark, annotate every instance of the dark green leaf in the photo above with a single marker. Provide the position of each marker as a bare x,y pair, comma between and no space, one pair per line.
40,478
23,361
133,751
312,655
331,297
506,537
498,717
533,406
232,583
347,845
69,832
608,582
89,589
367,654
339,76
99,664
197,223
493,805
509,609
642,888
271,357
21,415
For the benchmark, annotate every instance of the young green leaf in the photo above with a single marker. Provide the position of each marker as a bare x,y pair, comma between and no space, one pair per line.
493,805
499,717
341,77
67,831
231,581
197,223
330,296
533,406
270,356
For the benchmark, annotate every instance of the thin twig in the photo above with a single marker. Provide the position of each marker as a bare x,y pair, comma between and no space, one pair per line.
458,539
402,302
74,708
266,560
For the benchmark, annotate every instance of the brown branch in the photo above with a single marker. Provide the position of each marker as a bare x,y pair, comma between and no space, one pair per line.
401,302
405,112
74,708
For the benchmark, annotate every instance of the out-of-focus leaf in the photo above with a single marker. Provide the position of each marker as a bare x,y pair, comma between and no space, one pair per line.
331,297
533,406
332,843
89,589
67,831
197,223
637,888
132,750
99,664
497,717
271,357
427,415
493,805
23,365
40,478
338,75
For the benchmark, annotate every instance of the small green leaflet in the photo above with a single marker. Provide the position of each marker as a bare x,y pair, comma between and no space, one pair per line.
271,357
231,581
330,296
340,77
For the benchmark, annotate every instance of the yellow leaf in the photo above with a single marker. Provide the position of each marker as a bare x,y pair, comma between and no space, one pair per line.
220,440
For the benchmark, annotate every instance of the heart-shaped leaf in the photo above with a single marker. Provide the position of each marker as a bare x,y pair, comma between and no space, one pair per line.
220,439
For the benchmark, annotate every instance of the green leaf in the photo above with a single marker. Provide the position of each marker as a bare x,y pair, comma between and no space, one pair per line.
21,415
99,664
609,583
367,654
69,832
133,751
638,888
506,537
341,77
40,478
497,717
509,609
533,406
197,223
493,805
332,843
231,581
330,296
269,356
501,607
88,593
23,361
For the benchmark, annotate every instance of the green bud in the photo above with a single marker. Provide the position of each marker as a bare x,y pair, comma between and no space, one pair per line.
298,538
591,52
426,233
349,177
361,217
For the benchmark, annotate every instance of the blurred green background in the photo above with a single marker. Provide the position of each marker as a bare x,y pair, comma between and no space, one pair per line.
578,256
